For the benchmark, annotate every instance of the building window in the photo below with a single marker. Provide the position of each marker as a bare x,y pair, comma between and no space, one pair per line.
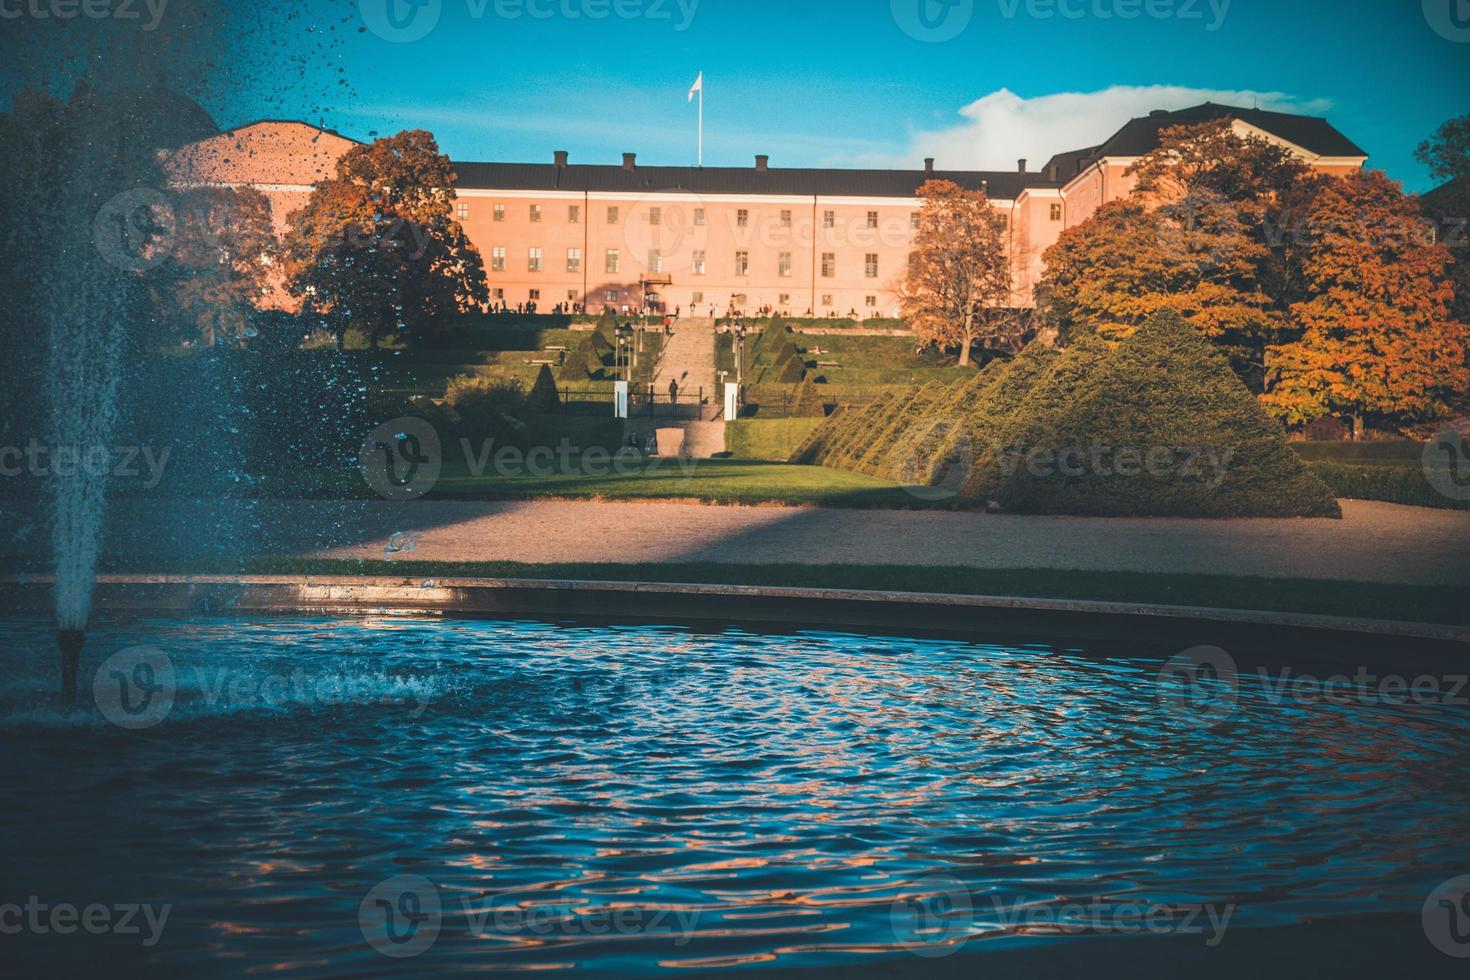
829,219
497,293
655,216
497,259
574,214
870,265
571,295
699,216
535,212
785,300
783,264
461,210
742,217
786,217
829,265
612,216
535,294
535,260
574,260
913,219
612,260
499,212
655,260
871,301
698,297
742,263
1056,212
612,295
696,265
827,299
872,219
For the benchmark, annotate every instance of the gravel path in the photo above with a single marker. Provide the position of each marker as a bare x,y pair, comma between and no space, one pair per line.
1374,541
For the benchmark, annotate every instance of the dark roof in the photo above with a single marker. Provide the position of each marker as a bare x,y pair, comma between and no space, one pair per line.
1071,163
787,182
1311,133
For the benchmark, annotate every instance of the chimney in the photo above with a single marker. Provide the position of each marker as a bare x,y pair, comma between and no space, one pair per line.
561,159
929,166
762,162
1051,173
1021,165
630,161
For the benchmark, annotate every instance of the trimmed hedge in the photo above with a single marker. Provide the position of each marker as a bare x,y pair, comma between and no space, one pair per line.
1164,392
1394,484
1158,426
544,394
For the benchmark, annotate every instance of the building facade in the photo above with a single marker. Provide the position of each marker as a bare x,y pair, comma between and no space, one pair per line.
708,240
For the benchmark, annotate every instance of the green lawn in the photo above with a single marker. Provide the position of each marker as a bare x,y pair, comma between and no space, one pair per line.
589,476
1422,604
768,439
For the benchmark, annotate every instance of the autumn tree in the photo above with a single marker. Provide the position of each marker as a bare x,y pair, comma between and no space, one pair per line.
378,249
1192,238
222,248
958,286
1378,341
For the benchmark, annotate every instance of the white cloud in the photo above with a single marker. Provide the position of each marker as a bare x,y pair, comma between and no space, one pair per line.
1002,127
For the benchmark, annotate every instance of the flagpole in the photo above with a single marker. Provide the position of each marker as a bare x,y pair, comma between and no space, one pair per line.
701,119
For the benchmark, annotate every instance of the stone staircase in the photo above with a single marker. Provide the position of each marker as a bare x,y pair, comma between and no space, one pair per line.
700,440
689,358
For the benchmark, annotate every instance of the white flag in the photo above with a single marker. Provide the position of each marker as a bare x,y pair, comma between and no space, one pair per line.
698,86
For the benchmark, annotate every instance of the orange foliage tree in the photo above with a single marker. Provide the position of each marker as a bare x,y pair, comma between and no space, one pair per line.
1190,238
378,248
1378,341
958,286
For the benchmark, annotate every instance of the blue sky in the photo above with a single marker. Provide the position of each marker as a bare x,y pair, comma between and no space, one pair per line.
860,82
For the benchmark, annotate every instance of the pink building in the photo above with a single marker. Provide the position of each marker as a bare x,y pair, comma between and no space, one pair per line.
803,241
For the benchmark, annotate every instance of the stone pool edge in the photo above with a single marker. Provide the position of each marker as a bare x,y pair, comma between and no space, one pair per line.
1312,636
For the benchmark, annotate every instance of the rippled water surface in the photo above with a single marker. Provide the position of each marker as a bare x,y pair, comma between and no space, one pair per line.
646,799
